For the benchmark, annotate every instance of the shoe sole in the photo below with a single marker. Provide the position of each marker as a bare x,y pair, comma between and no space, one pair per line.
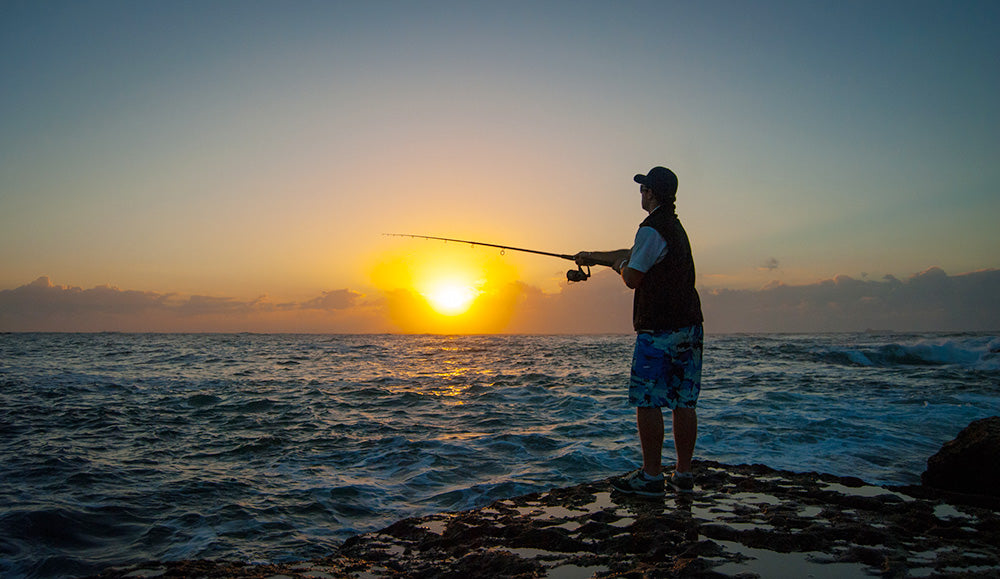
630,491
680,489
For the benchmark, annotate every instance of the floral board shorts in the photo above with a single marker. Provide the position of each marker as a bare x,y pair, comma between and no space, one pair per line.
666,368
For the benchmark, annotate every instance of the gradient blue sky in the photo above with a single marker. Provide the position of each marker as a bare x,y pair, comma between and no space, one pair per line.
234,149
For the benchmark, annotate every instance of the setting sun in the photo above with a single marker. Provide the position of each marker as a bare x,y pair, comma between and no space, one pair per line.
447,289
451,298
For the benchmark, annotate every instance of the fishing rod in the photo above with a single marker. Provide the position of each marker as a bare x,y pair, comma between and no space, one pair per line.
577,274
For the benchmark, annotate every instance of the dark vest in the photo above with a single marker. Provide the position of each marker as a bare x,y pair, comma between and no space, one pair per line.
666,298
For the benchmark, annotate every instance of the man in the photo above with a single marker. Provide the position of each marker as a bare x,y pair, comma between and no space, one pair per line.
667,318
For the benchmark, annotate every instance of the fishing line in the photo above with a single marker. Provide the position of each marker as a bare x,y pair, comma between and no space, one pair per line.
578,274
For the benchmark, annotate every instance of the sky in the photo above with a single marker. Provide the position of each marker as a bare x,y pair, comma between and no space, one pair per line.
232,166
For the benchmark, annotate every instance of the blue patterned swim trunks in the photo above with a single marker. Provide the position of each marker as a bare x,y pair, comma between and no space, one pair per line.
666,368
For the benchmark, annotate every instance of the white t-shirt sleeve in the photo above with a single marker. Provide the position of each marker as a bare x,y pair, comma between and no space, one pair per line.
649,249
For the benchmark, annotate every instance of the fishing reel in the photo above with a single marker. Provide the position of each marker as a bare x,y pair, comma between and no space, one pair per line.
578,274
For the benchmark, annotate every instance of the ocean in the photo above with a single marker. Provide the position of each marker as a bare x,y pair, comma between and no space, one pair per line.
120,448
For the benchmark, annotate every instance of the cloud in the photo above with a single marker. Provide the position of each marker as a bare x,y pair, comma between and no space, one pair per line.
601,305
44,306
41,296
930,300
770,264
333,300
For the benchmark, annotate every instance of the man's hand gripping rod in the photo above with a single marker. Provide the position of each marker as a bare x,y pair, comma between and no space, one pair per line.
582,259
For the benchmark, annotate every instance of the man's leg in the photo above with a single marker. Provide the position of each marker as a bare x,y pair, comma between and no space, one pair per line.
685,434
650,423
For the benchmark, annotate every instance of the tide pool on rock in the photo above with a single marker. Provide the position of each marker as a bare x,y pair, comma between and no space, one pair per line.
746,520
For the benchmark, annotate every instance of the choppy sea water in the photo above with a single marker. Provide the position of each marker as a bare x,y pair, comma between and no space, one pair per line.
119,448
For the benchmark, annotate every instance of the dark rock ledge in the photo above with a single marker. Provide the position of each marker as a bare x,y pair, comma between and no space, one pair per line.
741,521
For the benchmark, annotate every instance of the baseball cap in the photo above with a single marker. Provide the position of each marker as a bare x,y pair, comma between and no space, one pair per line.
661,180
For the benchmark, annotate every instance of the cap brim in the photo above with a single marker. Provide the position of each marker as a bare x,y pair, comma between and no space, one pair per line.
640,179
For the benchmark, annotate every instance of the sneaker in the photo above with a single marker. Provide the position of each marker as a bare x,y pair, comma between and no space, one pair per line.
636,483
681,481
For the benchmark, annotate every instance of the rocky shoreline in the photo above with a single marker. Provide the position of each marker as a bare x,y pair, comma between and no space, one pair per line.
741,521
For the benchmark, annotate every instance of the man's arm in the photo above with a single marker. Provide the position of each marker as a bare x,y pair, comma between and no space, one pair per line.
611,259
616,260
648,250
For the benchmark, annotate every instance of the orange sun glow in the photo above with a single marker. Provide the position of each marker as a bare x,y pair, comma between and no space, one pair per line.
447,289
450,298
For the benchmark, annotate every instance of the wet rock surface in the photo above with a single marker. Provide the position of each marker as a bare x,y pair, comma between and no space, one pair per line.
741,521
971,462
